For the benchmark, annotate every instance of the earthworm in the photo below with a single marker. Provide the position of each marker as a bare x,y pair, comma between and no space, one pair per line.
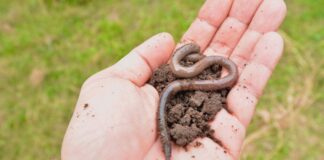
180,71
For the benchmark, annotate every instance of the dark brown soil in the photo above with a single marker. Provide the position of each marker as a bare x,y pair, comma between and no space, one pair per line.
188,113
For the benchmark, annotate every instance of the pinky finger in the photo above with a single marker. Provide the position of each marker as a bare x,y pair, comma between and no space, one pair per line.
243,97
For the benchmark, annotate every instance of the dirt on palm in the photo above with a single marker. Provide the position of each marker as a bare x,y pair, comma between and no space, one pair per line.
189,112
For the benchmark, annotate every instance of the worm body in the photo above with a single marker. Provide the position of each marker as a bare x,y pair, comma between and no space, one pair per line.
191,51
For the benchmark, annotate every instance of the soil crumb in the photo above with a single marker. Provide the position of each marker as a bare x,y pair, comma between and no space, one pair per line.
189,112
85,106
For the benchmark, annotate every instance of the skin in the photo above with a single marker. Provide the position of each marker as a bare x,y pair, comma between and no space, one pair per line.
185,85
125,107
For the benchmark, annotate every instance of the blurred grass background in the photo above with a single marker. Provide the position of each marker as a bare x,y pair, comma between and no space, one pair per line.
49,47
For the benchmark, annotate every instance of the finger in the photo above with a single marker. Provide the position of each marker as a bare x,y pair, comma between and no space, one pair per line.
139,64
243,97
200,149
244,10
234,26
210,16
229,131
268,18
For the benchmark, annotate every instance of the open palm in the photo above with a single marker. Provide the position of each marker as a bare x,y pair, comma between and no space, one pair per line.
115,117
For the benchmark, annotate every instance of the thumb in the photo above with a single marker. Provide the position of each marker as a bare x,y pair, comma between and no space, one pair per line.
139,64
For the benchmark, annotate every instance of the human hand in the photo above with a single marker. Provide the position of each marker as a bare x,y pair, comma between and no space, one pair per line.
115,116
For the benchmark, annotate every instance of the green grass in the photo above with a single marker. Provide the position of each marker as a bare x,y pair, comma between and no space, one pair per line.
48,48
